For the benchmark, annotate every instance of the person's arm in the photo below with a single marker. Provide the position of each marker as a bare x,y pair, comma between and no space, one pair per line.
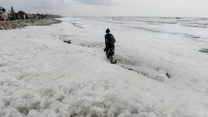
114,38
105,43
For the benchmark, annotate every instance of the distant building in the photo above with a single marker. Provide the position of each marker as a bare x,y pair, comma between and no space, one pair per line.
30,16
3,14
12,10
2,9
12,15
19,15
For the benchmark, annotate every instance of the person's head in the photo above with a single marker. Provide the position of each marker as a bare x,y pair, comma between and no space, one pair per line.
107,31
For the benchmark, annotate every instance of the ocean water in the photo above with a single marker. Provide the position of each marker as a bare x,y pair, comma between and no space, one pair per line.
180,26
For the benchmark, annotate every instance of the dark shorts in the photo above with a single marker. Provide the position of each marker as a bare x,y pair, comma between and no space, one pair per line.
110,50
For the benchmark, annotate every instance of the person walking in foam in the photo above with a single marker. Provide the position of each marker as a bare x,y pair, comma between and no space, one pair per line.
109,44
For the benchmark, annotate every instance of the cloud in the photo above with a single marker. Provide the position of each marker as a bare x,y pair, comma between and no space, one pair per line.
56,6
98,2
111,7
35,5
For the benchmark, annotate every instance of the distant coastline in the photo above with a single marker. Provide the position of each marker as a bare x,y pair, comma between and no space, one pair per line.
9,19
18,24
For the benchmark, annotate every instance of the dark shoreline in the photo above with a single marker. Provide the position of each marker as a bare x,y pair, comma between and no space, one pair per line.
19,24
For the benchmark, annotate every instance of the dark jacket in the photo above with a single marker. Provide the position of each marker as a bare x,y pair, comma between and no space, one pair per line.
109,41
110,38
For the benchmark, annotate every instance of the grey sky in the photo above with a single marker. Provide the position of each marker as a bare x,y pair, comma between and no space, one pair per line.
192,8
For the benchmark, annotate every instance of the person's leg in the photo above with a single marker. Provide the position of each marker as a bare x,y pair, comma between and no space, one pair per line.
109,52
113,47
106,53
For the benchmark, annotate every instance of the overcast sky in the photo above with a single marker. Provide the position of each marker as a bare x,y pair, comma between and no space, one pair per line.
187,8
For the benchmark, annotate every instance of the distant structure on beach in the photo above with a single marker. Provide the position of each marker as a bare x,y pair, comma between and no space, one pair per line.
3,14
18,15
21,15
12,10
